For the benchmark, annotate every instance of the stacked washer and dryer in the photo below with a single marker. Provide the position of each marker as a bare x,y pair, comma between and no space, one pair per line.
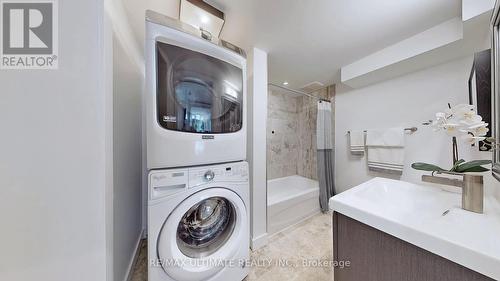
198,190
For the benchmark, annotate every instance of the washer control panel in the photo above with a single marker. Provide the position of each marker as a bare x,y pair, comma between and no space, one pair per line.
163,183
231,172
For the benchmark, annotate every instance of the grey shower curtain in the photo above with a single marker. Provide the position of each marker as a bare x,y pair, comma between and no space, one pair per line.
326,158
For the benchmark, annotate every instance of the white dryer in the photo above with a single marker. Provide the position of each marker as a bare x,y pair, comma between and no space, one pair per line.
195,97
199,223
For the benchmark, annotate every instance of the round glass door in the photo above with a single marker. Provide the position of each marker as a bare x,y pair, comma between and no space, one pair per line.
210,225
197,93
205,227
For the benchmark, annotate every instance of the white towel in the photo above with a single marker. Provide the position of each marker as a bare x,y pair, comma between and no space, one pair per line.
386,159
386,137
386,150
357,142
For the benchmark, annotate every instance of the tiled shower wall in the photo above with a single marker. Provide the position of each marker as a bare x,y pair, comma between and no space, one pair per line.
282,139
291,134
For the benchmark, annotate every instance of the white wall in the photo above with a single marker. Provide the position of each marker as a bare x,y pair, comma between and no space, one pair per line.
257,119
472,8
127,159
129,216
405,101
54,168
129,27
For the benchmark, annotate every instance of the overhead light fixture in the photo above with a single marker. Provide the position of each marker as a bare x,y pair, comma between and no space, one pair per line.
285,83
208,19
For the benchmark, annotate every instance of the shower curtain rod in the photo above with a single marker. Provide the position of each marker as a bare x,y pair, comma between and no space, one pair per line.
299,92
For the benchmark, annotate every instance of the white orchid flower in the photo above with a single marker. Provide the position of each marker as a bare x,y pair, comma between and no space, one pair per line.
470,139
478,125
464,114
471,119
452,129
461,120
480,129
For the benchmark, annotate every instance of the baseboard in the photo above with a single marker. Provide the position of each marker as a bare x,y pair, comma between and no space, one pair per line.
135,256
259,242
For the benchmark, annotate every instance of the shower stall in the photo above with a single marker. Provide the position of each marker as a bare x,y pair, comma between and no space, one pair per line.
292,174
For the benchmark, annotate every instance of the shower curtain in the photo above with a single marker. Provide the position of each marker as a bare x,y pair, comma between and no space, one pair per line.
325,154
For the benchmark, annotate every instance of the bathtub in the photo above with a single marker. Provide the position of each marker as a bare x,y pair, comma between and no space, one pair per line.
289,201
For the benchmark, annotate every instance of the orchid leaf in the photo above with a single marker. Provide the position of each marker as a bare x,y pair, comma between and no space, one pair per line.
456,165
475,169
426,167
473,166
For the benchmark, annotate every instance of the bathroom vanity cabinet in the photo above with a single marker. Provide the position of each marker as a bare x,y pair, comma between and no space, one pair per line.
377,256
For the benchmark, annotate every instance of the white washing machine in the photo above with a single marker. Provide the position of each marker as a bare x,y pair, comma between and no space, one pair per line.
195,97
199,223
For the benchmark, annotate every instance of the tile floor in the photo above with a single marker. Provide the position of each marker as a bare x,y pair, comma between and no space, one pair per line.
140,272
303,245
292,255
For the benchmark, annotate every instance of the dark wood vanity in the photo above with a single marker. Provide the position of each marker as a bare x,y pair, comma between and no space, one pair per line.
377,256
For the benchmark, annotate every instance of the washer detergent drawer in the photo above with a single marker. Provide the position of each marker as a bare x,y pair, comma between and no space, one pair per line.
165,183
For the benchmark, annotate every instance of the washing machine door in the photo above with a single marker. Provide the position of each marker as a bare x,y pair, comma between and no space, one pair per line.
202,235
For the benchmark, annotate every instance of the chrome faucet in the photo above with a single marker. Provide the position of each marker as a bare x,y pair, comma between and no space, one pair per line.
472,188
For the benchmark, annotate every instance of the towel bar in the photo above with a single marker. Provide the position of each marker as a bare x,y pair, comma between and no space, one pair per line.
411,129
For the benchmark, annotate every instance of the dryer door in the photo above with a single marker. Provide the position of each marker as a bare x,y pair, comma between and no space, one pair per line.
197,93
203,234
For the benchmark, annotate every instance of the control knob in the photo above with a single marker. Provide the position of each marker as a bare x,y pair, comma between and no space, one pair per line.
209,175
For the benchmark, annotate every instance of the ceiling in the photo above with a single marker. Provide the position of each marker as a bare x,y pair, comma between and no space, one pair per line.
311,40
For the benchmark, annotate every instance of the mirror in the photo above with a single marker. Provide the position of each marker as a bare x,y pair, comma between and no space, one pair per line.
495,98
480,92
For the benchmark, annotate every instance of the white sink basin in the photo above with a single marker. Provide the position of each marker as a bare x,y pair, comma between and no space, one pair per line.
415,213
